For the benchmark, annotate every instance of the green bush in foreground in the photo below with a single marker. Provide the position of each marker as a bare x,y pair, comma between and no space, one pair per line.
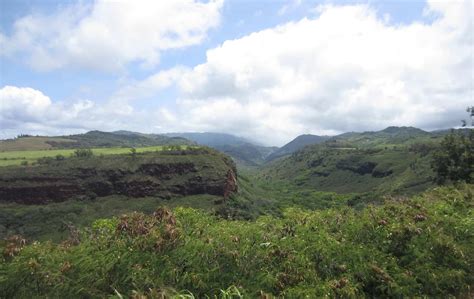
423,246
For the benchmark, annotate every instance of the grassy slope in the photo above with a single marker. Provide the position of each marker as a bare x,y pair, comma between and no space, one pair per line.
411,248
395,165
89,140
30,143
17,157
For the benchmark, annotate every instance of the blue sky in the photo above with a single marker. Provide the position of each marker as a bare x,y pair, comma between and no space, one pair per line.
81,78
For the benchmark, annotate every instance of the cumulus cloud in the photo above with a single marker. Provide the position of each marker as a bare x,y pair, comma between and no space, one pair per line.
345,70
27,110
107,35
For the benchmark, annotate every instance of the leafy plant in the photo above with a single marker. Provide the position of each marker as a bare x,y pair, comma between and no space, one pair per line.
417,247
454,161
83,153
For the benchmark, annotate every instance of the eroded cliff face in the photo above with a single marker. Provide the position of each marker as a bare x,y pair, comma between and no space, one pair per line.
152,174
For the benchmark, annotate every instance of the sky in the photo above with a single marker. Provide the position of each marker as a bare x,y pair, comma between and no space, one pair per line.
265,70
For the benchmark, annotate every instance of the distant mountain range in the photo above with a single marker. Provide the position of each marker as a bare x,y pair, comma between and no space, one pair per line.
211,139
243,151
296,144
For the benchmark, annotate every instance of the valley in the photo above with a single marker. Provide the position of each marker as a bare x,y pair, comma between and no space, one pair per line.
329,194
225,149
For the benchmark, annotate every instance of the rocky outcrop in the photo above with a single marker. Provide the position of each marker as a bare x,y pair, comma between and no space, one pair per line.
230,185
145,175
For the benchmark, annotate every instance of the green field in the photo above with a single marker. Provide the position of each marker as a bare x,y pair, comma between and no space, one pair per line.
8,158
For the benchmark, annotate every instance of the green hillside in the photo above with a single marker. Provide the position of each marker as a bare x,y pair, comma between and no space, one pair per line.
394,161
296,144
89,140
347,170
348,218
105,183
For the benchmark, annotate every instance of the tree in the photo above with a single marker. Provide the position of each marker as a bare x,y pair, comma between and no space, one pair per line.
454,160
469,110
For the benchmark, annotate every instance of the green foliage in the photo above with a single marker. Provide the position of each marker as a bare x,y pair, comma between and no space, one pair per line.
46,222
60,157
454,161
418,247
83,153
402,171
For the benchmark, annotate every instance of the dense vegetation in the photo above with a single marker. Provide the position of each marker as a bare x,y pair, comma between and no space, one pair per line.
454,161
423,246
345,170
342,218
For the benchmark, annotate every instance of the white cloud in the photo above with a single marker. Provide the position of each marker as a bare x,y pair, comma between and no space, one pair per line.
27,110
346,70
107,35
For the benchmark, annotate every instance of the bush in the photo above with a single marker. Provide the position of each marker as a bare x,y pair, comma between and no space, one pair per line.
418,247
45,160
83,153
60,157
454,161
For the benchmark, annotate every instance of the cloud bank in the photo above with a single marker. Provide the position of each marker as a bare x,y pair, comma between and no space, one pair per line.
107,35
347,69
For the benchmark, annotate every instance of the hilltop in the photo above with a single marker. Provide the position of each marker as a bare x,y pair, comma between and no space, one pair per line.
90,139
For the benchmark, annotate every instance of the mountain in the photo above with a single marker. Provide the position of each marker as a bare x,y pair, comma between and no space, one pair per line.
247,154
395,160
243,151
296,144
386,137
211,139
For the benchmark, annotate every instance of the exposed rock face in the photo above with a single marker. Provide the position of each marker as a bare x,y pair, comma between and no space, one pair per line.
146,175
230,184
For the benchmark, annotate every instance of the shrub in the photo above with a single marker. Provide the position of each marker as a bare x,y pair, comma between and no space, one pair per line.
45,160
418,247
83,153
454,161
60,157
